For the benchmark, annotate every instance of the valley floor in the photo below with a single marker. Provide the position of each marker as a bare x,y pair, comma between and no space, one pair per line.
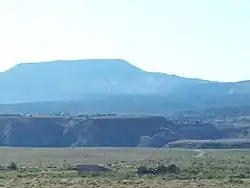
50,167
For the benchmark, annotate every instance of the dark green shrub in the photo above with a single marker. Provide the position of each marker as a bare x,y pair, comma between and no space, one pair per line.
235,181
12,166
162,169
142,170
173,169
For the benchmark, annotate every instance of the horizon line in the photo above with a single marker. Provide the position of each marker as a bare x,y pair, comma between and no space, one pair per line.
118,59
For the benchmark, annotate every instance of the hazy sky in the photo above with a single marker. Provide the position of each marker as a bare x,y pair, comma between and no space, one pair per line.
209,39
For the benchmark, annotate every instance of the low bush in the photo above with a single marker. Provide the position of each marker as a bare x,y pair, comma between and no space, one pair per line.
12,166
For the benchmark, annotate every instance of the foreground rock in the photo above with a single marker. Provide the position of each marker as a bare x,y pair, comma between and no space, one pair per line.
91,169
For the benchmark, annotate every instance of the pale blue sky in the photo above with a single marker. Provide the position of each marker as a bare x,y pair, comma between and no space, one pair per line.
209,39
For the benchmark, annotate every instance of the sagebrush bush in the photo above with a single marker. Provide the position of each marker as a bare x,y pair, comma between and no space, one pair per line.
12,166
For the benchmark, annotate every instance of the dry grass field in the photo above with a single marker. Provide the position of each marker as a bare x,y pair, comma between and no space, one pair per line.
51,167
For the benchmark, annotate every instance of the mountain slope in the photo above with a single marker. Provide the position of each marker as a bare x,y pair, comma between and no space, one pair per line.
111,85
61,80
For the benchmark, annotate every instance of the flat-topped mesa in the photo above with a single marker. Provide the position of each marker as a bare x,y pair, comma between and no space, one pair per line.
73,79
75,65
113,84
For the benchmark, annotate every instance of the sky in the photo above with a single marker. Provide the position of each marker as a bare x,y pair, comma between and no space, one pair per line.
208,39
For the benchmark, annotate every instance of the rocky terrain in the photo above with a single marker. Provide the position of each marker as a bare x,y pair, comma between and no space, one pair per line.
112,130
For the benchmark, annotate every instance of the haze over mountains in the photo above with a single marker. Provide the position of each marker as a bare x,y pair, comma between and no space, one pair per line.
112,85
69,80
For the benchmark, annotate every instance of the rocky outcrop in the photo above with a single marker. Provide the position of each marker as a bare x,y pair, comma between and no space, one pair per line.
99,131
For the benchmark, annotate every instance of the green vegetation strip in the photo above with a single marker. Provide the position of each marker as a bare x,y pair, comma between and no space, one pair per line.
40,167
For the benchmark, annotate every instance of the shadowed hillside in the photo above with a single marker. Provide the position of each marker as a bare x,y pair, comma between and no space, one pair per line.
100,131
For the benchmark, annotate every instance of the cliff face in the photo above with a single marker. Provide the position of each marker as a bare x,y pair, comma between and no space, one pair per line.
118,131
23,131
99,131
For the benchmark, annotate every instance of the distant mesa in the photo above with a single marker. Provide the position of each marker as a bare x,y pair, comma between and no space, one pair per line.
102,84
